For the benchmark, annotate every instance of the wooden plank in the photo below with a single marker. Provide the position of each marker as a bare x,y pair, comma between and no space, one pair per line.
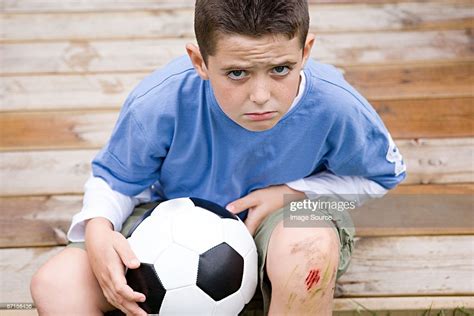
47,92
28,221
153,23
416,214
454,188
396,306
427,118
403,303
402,88
37,221
386,266
417,266
46,6
423,80
65,171
438,160
50,130
143,55
91,129
45,172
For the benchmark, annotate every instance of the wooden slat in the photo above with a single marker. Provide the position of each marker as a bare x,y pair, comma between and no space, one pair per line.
438,160
37,221
454,188
428,118
402,88
394,306
50,130
404,304
28,221
428,80
45,172
385,266
416,214
61,172
46,92
179,22
91,129
45,6
143,55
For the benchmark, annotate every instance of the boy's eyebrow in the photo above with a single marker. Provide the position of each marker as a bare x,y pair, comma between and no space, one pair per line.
249,66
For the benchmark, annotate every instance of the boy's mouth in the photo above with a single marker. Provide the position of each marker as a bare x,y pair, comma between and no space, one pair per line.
261,116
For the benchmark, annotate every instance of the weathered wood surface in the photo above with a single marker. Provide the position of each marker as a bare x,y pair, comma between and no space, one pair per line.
422,82
398,306
91,129
46,6
56,130
434,161
142,55
153,23
417,210
381,266
390,266
403,303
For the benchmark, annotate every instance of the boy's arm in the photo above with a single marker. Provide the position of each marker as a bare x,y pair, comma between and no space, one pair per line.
101,201
342,187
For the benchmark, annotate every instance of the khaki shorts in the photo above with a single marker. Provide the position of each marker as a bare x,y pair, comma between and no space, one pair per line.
341,222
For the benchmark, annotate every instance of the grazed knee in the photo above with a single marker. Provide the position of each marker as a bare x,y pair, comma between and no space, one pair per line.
303,261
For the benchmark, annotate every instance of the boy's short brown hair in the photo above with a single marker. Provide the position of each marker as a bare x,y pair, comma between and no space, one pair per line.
255,18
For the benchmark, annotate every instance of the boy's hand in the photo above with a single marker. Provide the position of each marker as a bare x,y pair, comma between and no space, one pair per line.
108,252
262,203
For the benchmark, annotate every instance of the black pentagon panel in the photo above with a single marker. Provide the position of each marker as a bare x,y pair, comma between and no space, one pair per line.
139,221
220,271
146,281
213,207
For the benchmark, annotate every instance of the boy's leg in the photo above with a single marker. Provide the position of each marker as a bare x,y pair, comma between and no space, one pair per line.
66,284
298,266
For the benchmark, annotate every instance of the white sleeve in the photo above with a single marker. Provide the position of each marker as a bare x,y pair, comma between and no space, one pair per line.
326,183
101,201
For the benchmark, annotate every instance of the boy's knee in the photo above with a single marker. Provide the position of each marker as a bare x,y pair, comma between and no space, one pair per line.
302,257
42,283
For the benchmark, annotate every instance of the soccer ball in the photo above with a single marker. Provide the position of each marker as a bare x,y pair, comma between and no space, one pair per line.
196,258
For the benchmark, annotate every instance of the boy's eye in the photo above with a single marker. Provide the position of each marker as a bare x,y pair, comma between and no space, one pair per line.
236,74
281,70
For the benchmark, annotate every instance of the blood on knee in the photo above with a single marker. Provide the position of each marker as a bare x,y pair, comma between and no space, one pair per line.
312,279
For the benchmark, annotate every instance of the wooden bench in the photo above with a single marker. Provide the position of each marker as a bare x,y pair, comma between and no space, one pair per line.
67,66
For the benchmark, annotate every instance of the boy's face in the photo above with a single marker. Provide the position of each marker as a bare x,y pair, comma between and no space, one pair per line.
255,80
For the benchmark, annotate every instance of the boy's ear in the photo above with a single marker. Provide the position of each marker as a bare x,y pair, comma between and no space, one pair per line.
307,47
197,60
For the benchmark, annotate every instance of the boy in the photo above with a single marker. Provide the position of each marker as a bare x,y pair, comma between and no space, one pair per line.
243,120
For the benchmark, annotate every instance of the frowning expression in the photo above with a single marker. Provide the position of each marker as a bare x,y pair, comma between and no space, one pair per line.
255,80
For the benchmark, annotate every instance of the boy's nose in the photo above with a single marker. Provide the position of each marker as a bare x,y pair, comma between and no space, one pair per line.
260,94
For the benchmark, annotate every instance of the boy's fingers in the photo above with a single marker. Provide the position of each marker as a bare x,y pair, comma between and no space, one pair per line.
241,204
120,286
128,257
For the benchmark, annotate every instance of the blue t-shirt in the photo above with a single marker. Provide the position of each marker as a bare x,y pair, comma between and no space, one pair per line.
172,136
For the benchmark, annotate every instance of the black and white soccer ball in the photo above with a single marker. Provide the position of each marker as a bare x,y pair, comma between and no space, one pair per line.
196,258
